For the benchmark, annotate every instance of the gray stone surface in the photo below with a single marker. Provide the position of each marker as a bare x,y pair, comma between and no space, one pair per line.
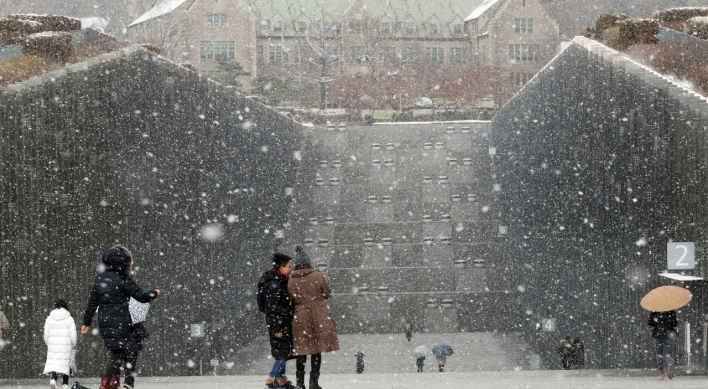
391,179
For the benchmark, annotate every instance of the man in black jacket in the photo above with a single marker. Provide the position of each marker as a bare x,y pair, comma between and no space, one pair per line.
664,333
279,310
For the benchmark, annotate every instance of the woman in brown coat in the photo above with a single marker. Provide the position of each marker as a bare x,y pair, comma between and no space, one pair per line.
314,330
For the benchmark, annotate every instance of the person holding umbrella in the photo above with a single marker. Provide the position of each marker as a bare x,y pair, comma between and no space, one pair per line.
663,302
419,354
442,351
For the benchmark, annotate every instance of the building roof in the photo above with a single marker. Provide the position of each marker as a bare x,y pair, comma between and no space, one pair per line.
159,9
482,8
317,10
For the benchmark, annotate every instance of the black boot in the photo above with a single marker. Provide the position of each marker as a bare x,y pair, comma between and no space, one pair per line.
300,378
314,380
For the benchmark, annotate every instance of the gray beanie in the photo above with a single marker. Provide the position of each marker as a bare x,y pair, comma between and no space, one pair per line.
301,258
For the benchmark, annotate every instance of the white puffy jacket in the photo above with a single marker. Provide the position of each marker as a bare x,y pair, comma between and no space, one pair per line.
60,337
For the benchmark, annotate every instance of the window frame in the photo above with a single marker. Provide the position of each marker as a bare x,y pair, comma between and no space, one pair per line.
410,28
433,28
385,28
277,26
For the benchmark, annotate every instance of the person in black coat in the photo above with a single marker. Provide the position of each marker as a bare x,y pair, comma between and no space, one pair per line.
664,333
279,310
110,294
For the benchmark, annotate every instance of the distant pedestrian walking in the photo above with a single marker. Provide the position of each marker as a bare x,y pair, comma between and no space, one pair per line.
276,303
420,362
564,353
4,327
110,296
664,334
578,356
419,354
442,351
359,362
60,338
314,329
409,331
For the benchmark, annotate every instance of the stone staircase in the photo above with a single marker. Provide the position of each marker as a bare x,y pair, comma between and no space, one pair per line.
401,220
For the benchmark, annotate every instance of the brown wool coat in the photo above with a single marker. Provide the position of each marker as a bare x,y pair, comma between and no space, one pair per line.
314,329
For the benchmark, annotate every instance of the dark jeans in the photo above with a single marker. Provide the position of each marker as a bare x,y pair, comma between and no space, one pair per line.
315,362
131,359
664,348
115,361
64,379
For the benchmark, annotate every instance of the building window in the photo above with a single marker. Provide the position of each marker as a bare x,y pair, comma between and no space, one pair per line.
302,26
457,29
355,28
332,52
523,26
386,55
277,26
277,54
458,55
434,54
216,20
409,54
357,54
385,28
259,54
523,53
212,73
410,28
520,79
215,49
433,28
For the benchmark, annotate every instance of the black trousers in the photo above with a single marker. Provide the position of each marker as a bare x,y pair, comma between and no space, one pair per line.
315,362
64,379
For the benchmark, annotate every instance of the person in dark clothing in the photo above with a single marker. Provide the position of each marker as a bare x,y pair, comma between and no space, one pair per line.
279,310
110,294
409,331
359,362
664,334
577,354
420,362
564,353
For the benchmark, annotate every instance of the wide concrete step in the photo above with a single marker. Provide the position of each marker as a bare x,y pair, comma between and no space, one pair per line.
391,353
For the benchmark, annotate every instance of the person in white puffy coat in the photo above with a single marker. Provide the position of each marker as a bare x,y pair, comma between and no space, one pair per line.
60,337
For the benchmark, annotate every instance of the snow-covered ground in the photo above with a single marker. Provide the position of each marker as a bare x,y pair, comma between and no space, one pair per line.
543,379
391,353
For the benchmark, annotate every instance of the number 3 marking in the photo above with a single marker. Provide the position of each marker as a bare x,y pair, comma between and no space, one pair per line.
685,251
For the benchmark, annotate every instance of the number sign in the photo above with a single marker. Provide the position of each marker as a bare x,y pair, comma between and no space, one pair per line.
548,324
680,256
196,330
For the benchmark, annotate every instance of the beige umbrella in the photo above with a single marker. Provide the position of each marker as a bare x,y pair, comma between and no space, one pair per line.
666,298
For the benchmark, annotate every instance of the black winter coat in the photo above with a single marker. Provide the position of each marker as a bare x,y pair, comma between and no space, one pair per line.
663,324
279,311
110,294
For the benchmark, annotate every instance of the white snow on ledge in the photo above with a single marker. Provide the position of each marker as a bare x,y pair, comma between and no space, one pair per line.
158,10
649,75
680,277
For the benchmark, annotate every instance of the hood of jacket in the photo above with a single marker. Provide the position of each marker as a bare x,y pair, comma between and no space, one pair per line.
114,260
59,314
268,276
299,273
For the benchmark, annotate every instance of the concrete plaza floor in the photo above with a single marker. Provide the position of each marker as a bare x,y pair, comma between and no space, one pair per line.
542,379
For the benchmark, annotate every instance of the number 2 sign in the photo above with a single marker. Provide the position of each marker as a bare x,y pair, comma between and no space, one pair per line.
680,255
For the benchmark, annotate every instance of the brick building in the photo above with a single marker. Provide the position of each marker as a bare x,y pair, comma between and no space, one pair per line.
312,41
